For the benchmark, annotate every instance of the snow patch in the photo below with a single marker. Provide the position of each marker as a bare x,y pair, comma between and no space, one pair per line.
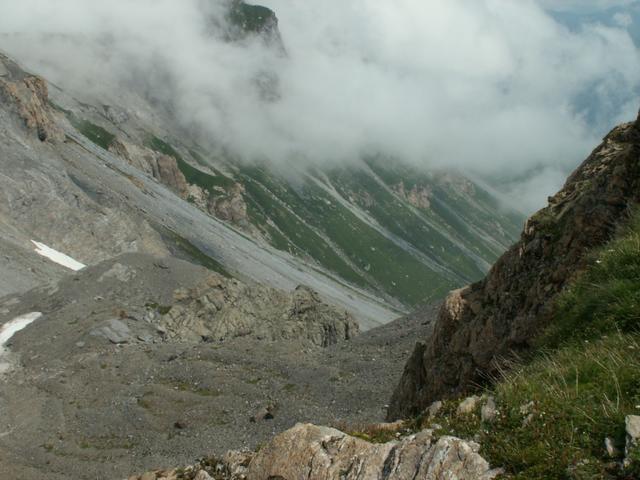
57,257
8,330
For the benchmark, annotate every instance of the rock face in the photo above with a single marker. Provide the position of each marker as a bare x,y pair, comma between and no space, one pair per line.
29,97
163,168
220,309
230,207
322,453
489,320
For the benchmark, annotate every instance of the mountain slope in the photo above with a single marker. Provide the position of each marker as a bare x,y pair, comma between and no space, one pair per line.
73,195
482,324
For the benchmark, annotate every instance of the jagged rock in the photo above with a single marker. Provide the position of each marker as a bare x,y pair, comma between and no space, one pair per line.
170,175
219,309
29,97
322,453
482,324
231,206
610,447
489,411
632,427
468,405
163,168
115,331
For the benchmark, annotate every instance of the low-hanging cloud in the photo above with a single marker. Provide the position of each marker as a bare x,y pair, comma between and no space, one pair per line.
485,86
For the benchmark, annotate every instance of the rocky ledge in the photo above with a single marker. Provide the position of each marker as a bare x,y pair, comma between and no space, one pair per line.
322,453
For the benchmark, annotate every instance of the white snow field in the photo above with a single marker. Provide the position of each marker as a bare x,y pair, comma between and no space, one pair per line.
9,329
57,257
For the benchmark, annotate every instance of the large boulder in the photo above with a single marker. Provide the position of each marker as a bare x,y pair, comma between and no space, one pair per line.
322,453
484,323
220,309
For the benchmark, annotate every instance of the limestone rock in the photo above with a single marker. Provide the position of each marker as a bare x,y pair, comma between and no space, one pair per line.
632,424
219,309
170,175
28,95
230,206
116,331
486,322
321,453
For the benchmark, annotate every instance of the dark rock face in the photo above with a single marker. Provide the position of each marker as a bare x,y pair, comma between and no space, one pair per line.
490,320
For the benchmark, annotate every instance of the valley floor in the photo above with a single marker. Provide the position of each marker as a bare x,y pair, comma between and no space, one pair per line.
78,406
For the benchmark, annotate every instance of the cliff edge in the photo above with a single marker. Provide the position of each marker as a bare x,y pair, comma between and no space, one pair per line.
482,324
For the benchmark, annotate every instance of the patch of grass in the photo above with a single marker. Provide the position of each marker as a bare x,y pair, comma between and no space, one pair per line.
160,146
556,412
195,389
98,135
606,298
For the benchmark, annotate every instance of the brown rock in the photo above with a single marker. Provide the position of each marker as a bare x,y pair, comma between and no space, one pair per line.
28,95
487,322
170,175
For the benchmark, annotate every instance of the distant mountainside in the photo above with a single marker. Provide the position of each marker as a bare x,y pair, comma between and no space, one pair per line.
379,224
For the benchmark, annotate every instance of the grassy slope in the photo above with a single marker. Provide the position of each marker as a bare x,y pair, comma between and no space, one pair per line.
305,220
583,383
580,387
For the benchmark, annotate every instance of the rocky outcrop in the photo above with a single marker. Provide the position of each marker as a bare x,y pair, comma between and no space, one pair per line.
163,168
220,309
482,324
230,207
418,196
322,453
28,96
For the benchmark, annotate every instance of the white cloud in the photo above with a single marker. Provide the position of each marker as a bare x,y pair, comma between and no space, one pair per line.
482,85
584,6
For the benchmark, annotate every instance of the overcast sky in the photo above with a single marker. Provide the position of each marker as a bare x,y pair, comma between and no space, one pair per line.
498,88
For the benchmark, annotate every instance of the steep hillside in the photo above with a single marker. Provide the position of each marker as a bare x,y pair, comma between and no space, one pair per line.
62,188
486,323
408,236
376,223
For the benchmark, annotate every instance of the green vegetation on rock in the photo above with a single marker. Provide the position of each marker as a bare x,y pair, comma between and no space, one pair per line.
93,132
555,412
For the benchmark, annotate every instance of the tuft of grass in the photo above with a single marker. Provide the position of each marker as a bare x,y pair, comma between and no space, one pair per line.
606,298
98,135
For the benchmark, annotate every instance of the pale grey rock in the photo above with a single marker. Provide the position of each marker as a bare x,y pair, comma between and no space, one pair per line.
610,447
220,309
115,331
322,453
120,272
632,427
